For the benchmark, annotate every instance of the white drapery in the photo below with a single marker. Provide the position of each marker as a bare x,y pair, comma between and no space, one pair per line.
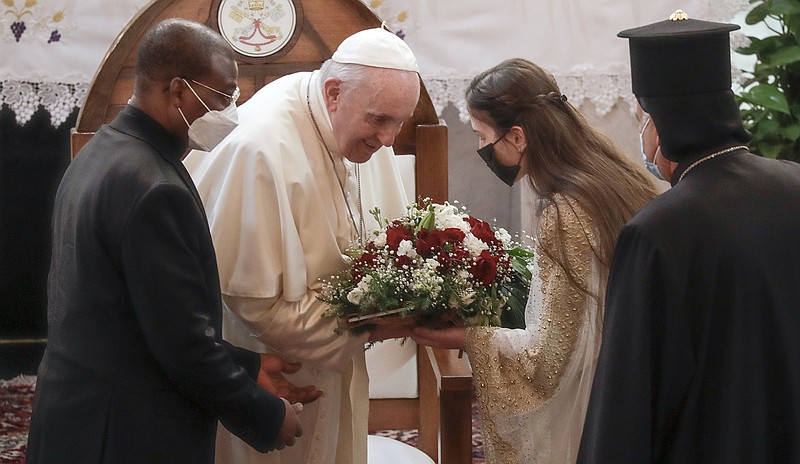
52,48
574,39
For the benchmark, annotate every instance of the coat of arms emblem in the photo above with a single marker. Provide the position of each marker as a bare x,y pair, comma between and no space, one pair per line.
257,28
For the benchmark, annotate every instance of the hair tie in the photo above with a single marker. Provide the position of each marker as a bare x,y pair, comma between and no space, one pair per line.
556,97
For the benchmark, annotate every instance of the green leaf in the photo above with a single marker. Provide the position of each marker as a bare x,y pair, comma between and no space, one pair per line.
768,113
755,46
783,56
757,14
774,43
428,221
783,7
764,71
767,127
793,23
520,252
521,269
792,132
512,314
770,150
768,96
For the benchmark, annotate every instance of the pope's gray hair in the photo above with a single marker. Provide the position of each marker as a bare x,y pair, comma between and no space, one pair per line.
351,75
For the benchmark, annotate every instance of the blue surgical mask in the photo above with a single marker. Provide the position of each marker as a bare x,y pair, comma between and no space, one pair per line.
651,166
508,174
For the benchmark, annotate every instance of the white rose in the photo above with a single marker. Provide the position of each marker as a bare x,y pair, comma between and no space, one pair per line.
503,236
355,296
359,291
474,245
406,248
380,240
448,217
431,264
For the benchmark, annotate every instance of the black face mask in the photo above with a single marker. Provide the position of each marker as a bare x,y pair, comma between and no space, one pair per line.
508,174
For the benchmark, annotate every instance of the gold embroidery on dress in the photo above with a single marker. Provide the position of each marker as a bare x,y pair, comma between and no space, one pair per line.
526,382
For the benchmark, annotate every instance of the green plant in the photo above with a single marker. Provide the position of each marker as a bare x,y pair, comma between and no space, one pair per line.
770,100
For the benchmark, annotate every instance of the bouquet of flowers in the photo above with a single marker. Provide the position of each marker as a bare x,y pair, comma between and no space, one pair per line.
434,264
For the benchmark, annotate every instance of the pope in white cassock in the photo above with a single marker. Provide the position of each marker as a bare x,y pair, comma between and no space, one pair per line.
286,192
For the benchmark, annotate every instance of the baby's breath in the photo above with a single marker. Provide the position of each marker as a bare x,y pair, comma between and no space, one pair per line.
434,262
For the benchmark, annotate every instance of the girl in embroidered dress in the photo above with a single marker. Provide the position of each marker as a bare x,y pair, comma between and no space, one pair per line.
533,384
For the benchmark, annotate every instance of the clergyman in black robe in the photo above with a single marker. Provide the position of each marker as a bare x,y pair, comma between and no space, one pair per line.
700,358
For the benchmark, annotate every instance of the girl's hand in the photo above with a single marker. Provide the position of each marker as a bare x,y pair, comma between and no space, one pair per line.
451,337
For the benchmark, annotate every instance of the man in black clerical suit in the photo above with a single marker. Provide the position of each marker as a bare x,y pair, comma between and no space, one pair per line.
700,361
135,370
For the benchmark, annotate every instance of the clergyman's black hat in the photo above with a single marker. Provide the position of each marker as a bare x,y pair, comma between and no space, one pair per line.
681,75
680,56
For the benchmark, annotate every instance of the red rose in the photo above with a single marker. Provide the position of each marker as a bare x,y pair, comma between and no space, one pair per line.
453,258
396,234
403,261
365,261
453,235
484,232
429,242
485,268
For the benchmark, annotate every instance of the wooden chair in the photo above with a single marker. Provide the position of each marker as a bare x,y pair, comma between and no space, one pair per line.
442,411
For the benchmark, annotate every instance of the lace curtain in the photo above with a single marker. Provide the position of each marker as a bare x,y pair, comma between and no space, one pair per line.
574,39
52,48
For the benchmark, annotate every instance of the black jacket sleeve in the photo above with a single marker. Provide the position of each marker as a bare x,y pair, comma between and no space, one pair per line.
249,361
162,255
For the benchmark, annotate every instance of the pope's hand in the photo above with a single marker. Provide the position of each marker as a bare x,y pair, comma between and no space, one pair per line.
270,378
451,337
290,429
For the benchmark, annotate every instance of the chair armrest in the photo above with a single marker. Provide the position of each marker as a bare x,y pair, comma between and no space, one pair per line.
453,380
453,373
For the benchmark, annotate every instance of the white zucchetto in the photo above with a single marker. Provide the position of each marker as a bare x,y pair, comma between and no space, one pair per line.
376,47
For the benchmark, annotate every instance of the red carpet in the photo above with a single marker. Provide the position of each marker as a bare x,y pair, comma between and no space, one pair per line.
16,396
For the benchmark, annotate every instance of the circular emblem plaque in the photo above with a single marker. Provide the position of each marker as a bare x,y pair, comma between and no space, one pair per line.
257,28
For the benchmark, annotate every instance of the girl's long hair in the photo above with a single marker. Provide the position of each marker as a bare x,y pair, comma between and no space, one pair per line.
565,155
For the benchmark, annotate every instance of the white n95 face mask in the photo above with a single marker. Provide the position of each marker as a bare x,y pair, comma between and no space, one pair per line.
207,131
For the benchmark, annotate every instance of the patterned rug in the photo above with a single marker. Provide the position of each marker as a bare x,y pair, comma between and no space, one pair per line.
410,436
16,396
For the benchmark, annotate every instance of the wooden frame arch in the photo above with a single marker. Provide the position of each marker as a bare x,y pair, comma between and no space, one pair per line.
325,23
